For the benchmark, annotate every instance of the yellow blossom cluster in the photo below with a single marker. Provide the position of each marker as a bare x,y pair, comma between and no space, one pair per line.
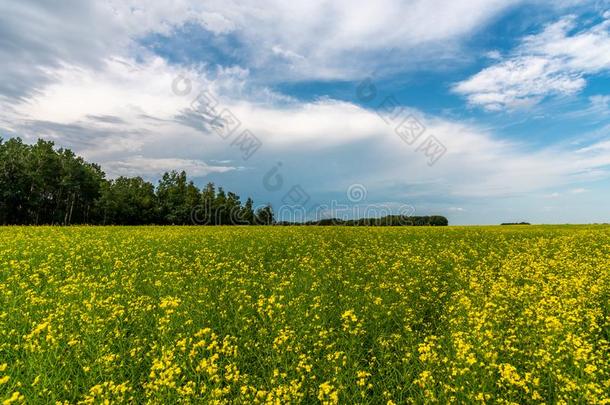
276,315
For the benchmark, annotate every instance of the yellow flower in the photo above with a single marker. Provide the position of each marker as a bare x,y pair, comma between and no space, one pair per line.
16,397
327,394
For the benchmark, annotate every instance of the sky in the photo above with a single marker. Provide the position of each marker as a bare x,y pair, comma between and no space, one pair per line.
484,111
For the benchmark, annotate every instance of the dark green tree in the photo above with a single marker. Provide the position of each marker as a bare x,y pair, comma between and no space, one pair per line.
265,216
129,201
220,208
171,193
247,212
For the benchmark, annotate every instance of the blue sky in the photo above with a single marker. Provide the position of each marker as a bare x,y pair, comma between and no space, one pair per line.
510,99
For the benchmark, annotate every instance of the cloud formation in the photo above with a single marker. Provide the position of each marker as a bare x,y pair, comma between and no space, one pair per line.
81,74
553,62
126,116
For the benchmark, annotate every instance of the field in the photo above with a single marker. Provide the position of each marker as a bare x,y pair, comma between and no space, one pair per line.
295,314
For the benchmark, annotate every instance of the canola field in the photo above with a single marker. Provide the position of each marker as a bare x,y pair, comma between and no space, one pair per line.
305,315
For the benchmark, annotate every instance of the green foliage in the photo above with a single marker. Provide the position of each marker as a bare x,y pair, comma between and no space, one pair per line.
265,216
42,185
128,201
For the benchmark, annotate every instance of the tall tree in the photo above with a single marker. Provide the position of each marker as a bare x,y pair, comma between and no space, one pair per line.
265,216
171,192
220,208
233,207
15,182
247,212
129,201
204,214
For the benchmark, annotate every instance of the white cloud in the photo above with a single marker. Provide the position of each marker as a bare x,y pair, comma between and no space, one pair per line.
119,87
86,90
345,39
553,62
600,104
154,168
124,116
286,40
495,54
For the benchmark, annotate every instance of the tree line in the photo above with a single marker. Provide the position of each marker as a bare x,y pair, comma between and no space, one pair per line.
388,220
42,185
